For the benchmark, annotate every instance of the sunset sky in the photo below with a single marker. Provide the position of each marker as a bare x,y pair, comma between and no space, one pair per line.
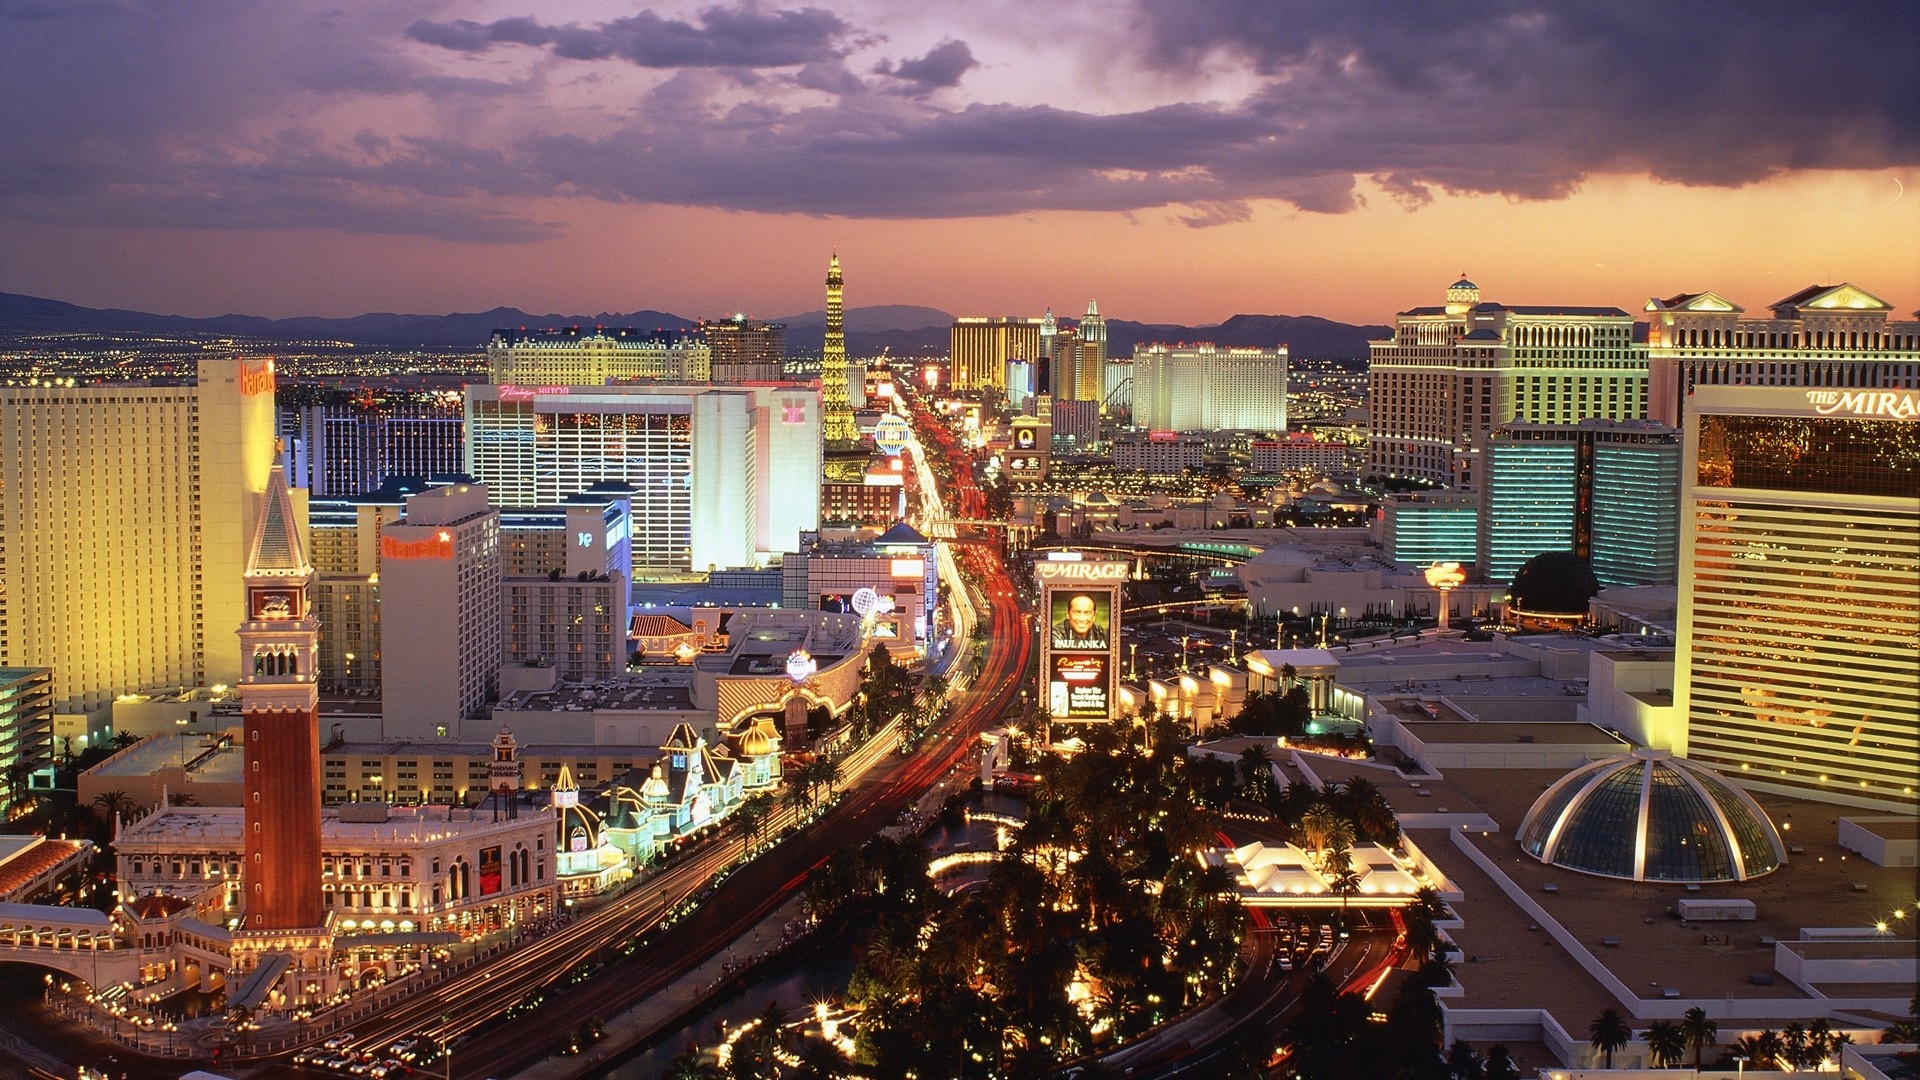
1178,160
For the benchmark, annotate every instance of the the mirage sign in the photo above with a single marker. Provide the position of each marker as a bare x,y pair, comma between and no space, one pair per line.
1879,404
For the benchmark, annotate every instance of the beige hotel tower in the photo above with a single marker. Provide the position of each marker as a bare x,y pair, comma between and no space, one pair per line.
125,513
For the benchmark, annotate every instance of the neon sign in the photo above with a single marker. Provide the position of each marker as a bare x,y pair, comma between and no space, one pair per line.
1890,404
433,547
800,666
1048,571
256,378
528,393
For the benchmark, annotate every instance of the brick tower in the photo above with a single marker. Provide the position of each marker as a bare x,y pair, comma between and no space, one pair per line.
280,706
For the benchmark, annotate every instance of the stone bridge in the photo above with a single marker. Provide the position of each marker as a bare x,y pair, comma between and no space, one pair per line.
130,946
76,941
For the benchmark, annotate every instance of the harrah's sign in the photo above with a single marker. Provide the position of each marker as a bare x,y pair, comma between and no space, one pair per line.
433,547
256,378
1893,405
1066,572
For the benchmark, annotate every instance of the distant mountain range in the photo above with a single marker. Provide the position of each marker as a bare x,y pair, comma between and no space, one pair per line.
904,330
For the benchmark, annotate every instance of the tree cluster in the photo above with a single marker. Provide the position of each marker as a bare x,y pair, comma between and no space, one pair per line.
1334,1037
1098,921
1350,813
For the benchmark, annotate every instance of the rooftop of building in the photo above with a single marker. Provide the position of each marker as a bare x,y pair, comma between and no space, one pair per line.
1510,963
622,335
900,535
1598,424
1380,662
761,646
24,858
527,751
1470,731
1887,827
207,757
762,590
666,690
382,822
656,624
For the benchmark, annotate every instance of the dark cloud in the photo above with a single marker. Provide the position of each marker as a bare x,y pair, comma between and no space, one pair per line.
337,118
1527,98
747,36
940,68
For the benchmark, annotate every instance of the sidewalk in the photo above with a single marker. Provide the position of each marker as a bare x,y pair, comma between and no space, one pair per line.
662,1009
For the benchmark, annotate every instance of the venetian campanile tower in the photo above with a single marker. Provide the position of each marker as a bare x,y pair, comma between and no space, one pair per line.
280,707
836,409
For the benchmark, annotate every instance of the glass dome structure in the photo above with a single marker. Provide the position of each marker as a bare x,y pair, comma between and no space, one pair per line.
1649,816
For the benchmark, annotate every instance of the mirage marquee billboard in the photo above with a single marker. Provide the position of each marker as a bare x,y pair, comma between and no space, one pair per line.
1080,600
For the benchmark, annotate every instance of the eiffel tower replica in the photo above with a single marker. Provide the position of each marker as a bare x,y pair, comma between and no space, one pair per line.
843,458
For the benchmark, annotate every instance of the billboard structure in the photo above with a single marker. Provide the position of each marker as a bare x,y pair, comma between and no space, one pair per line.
1080,643
1028,448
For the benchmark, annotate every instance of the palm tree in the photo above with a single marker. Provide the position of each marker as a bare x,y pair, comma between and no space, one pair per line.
749,816
1764,1050
1499,1064
821,1060
1905,1030
1700,1032
1665,1043
1318,824
1793,1045
1256,773
1610,1032
112,804
1820,1039
17,779
688,1066
1345,884
796,796
1463,1063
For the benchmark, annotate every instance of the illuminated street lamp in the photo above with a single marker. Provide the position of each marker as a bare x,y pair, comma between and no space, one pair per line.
1445,577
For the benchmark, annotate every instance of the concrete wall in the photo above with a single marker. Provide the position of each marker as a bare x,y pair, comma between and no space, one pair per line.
1856,835
1612,686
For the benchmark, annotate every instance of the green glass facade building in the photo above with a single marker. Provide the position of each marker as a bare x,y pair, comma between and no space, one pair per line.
1606,490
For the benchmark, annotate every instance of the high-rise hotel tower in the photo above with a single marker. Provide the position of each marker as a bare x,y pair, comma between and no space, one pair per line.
1453,373
1799,606
280,724
979,349
125,513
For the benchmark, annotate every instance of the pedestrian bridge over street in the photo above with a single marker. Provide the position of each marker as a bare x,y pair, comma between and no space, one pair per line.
136,943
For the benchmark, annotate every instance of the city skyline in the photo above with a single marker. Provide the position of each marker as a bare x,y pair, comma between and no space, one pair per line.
409,157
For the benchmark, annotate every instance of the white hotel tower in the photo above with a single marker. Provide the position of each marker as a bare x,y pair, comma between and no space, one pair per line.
723,476
1208,387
